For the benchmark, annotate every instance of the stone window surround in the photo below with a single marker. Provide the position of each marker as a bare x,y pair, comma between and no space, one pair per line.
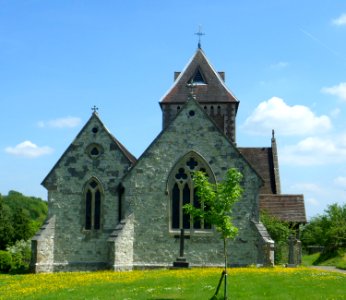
89,149
181,163
99,187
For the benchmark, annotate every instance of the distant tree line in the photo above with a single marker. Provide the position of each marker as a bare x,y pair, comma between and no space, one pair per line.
20,218
327,230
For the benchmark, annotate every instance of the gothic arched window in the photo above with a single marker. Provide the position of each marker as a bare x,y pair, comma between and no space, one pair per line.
182,191
93,201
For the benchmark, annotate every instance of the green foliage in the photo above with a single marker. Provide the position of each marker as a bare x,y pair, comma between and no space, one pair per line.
328,230
35,207
6,228
5,261
20,217
216,204
21,254
279,231
22,229
219,198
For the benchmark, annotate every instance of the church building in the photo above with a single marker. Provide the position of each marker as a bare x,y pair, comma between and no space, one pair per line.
110,210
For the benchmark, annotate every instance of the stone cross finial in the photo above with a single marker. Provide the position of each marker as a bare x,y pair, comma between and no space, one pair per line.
94,109
199,33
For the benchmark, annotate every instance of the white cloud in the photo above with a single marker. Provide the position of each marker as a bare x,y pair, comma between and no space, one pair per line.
312,201
336,90
28,149
285,119
68,122
335,112
340,181
340,21
315,151
279,65
306,187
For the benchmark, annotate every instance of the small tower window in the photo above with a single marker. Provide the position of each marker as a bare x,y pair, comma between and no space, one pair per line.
198,78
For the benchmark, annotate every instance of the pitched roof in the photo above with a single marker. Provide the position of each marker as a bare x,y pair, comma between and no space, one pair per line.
288,208
209,84
262,160
94,117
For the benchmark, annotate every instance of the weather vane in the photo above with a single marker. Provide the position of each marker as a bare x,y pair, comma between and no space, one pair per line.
200,34
94,109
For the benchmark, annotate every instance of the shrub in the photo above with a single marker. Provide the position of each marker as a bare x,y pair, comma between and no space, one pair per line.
21,254
5,261
279,231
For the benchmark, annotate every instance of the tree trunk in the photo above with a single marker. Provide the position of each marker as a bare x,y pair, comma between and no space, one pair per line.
225,270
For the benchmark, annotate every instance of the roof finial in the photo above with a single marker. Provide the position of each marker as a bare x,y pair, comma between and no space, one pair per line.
94,109
273,134
199,33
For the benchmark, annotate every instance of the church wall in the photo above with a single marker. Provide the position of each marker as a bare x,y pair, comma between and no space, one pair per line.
148,199
76,248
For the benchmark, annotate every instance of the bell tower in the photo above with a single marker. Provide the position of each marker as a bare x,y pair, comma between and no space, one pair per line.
210,91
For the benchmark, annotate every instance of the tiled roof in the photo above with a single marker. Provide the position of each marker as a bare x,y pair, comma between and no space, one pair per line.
289,208
214,87
262,161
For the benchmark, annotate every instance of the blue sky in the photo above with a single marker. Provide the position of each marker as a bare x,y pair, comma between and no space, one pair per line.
284,60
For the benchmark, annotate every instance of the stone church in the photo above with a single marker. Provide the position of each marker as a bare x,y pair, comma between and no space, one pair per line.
110,210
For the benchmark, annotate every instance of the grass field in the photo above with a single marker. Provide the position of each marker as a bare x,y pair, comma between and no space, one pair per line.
244,283
339,260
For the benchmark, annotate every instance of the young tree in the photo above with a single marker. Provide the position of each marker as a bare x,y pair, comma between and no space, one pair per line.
217,201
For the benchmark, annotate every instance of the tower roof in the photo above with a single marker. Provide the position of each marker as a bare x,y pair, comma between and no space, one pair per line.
210,86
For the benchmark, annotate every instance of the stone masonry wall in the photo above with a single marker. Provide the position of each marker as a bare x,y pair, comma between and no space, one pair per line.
120,245
148,199
76,248
42,246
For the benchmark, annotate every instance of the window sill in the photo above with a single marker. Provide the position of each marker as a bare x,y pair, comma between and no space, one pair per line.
192,232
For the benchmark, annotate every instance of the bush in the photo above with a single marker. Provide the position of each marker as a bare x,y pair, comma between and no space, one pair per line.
5,261
21,254
279,231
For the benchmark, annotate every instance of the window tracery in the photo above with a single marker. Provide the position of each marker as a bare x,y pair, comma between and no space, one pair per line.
182,191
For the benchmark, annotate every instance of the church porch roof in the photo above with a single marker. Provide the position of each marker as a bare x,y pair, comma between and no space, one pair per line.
288,208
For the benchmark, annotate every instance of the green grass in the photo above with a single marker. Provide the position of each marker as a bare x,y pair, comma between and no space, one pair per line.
308,260
339,260
243,283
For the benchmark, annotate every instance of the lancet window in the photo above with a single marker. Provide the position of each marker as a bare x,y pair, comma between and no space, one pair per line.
93,202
